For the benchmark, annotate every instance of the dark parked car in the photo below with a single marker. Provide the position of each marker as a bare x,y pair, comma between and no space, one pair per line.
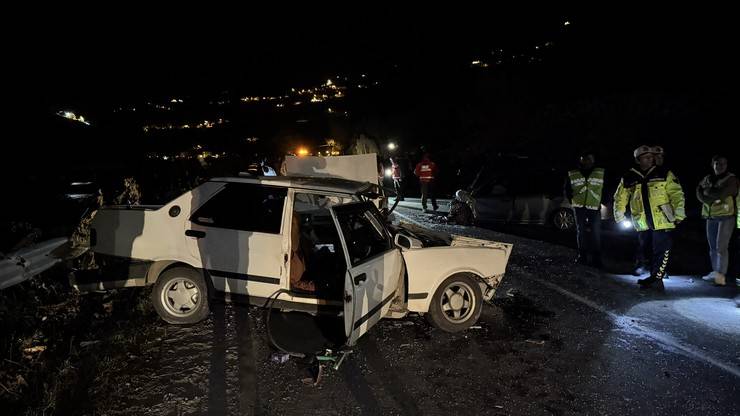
536,198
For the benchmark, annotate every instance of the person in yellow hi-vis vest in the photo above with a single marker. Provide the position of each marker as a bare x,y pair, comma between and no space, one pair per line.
717,194
584,188
656,203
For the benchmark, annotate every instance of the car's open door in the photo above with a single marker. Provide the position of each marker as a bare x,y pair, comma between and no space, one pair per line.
374,266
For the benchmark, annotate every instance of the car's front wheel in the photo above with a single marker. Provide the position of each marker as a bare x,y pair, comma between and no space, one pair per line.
457,304
180,296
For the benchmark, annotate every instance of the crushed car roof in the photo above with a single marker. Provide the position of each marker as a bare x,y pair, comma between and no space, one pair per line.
307,182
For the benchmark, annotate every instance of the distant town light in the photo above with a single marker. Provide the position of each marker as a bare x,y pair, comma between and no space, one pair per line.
567,23
72,116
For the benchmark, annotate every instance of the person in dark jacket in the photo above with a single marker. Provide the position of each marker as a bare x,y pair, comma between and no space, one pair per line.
461,211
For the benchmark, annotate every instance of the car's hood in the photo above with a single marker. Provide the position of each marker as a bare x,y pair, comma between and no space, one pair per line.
431,238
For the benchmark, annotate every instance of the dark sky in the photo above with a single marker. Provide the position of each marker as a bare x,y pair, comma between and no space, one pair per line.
129,53
112,57
93,59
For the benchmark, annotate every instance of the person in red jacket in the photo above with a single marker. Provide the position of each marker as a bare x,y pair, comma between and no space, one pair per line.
426,171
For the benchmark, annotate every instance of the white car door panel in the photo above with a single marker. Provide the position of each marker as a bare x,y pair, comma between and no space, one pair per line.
375,267
236,236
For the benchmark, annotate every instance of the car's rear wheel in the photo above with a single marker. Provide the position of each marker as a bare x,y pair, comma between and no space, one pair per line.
180,296
564,220
457,304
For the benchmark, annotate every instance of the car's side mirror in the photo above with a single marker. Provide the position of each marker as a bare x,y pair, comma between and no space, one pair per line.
405,242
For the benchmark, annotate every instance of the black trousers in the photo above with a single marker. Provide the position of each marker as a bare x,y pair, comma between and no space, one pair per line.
733,272
427,191
588,231
398,187
644,249
655,251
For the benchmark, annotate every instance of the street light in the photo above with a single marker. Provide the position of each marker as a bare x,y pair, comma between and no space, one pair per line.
391,146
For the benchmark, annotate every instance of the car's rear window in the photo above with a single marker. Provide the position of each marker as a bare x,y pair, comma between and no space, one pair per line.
244,207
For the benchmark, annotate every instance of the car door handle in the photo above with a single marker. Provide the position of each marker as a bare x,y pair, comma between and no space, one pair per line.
360,278
195,233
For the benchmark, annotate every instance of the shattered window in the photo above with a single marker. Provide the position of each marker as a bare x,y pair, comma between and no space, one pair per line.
364,235
244,207
316,221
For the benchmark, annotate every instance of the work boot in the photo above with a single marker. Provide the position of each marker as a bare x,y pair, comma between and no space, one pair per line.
651,283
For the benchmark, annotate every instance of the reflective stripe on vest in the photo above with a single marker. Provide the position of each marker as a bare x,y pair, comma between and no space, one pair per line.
396,172
425,172
720,208
737,207
587,191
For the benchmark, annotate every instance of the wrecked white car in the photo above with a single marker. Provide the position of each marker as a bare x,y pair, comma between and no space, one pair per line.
306,243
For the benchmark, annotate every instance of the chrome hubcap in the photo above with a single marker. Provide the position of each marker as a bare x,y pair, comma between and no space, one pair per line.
458,302
564,220
181,297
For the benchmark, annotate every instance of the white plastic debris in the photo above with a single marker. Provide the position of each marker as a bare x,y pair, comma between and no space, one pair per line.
280,357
